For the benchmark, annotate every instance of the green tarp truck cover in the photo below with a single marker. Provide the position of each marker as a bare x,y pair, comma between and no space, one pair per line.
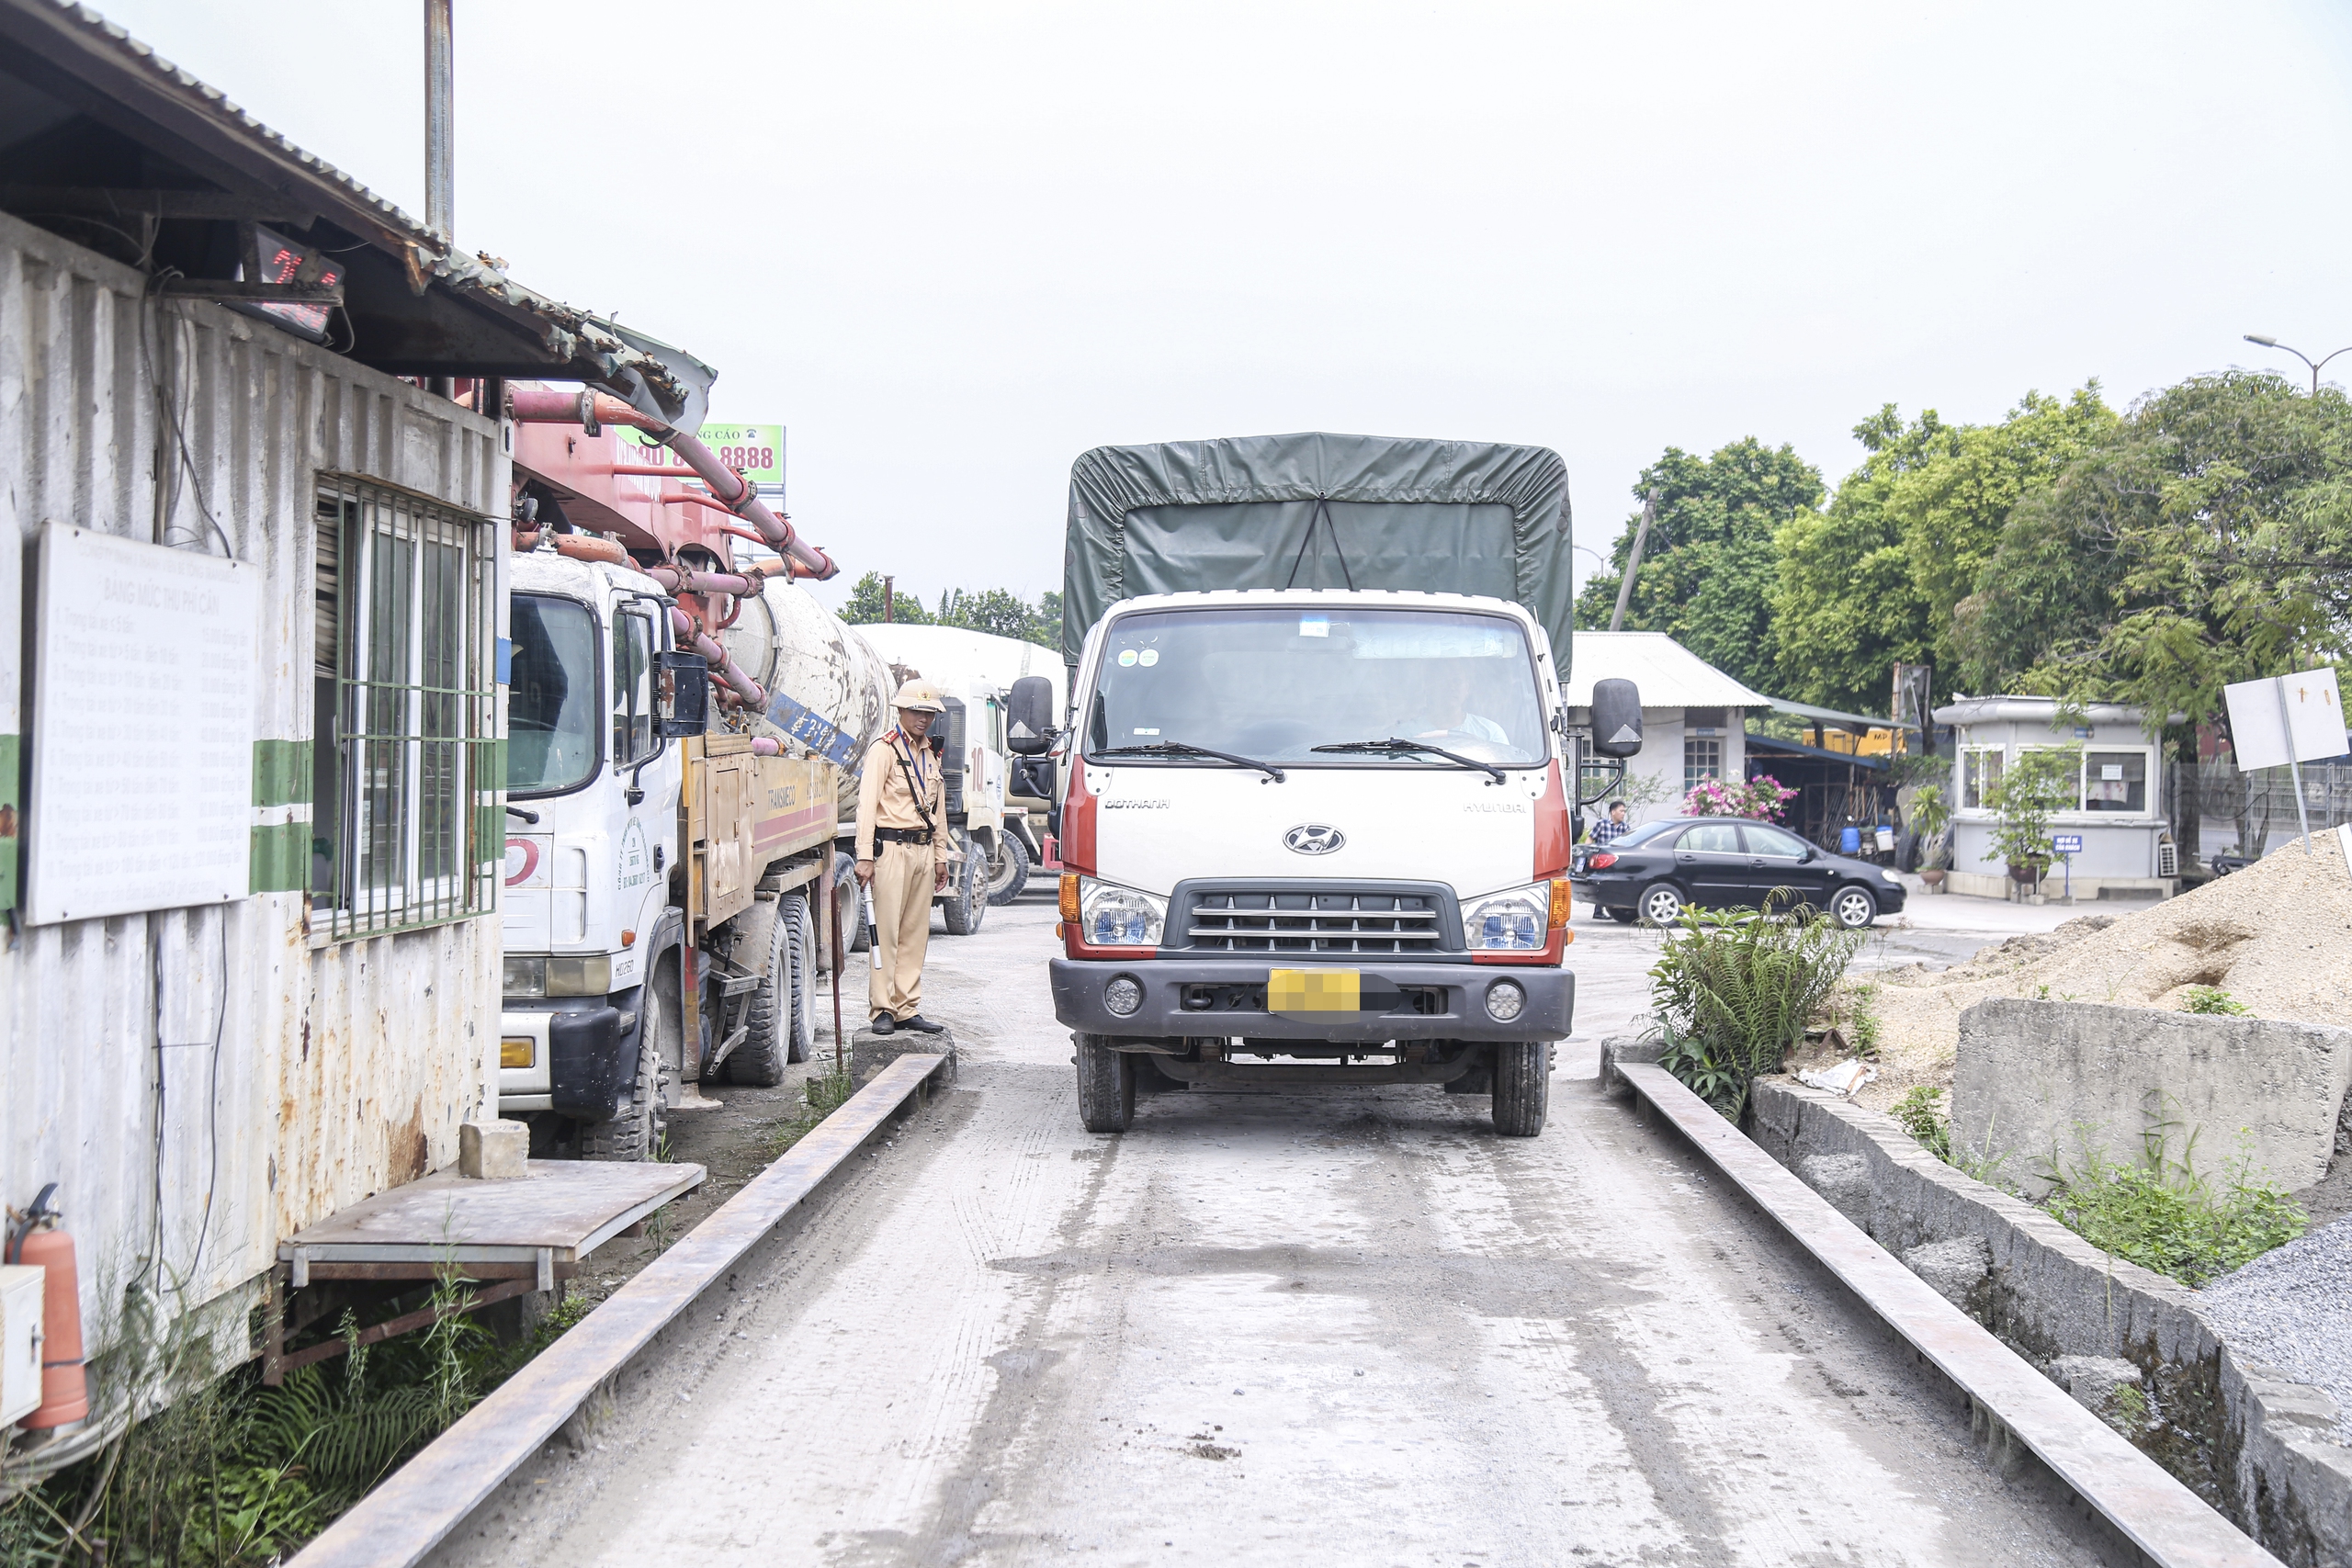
1251,510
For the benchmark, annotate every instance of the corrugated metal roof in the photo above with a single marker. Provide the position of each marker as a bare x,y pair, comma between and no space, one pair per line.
169,105
1669,674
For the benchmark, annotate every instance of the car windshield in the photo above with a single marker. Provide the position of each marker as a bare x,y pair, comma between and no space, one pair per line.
1274,684
551,708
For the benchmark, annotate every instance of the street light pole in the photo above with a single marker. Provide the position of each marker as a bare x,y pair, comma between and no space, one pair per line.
2273,343
1634,561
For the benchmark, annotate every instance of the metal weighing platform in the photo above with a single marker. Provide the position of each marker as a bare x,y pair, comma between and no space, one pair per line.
524,1233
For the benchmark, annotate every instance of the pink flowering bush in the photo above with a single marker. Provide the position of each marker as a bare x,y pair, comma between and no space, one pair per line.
1761,798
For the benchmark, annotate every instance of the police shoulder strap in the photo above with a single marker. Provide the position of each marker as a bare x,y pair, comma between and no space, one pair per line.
921,809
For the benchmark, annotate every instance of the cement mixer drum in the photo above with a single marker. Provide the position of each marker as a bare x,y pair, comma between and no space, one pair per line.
795,647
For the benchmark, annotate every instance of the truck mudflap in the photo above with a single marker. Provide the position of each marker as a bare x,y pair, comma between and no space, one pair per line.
1397,1001
591,1063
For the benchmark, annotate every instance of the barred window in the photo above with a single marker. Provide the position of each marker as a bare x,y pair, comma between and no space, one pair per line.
1702,759
404,765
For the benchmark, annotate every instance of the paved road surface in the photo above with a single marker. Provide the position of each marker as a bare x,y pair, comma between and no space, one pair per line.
1270,1328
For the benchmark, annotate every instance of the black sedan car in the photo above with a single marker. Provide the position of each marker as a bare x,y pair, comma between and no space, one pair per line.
1727,862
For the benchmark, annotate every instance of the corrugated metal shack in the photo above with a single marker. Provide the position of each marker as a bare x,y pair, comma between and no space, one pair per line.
213,344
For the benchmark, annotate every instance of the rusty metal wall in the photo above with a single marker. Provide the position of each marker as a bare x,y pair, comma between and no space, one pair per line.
339,1070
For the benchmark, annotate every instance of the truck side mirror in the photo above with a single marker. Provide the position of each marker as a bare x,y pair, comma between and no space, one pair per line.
946,735
684,692
1035,777
1616,719
1029,723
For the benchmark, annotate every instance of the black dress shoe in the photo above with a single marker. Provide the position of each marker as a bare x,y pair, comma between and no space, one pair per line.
922,1026
883,1023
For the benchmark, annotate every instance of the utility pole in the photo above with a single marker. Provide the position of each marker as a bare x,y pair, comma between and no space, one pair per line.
1634,561
887,598
440,120
2273,343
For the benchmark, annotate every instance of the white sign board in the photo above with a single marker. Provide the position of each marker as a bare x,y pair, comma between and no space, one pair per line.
2289,719
146,667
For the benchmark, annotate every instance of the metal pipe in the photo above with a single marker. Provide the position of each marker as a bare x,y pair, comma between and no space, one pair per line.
734,586
440,119
592,411
722,668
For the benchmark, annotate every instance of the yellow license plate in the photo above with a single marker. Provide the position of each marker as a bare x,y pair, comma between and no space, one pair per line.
1315,990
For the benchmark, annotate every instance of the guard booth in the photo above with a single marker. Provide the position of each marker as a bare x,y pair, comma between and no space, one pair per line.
2118,819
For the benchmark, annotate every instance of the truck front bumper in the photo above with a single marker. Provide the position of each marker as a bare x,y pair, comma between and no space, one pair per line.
1438,1001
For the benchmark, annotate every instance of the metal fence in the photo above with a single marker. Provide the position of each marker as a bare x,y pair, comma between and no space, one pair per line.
2216,809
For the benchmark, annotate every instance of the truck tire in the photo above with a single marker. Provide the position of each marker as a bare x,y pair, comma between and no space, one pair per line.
1008,872
1522,1087
636,1133
1106,1085
777,1011
800,917
847,905
967,902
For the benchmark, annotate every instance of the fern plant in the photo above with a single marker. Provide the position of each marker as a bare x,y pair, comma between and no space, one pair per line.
1735,990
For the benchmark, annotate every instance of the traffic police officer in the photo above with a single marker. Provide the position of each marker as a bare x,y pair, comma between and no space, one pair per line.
903,814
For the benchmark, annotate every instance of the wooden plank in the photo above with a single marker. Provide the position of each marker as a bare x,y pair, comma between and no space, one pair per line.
430,1495
2170,1524
569,1205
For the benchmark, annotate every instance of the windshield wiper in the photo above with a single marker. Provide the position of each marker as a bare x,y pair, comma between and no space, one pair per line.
1181,749
1395,744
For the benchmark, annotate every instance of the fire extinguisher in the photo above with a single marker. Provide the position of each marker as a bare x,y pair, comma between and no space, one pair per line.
64,1385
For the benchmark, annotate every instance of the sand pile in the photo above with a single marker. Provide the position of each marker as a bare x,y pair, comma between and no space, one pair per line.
2277,937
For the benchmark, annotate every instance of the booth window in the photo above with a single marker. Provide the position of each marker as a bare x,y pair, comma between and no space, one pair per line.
404,762
2115,780
1980,772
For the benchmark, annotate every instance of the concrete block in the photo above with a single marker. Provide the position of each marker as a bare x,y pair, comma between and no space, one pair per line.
2094,1381
2044,1081
1954,1267
870,1053
1843,1180
493,1151
1619,1048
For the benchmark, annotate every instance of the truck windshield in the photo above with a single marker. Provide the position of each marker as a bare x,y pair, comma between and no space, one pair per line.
1274,684
552,709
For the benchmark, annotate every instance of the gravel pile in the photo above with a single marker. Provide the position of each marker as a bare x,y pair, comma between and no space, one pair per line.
2293,1309
2277,936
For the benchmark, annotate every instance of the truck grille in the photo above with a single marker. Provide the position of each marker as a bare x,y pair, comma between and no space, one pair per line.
1259,920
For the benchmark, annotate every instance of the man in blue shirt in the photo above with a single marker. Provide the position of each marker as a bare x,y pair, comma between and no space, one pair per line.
1613,826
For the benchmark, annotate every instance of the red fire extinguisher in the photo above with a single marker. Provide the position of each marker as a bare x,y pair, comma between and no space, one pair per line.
64,1385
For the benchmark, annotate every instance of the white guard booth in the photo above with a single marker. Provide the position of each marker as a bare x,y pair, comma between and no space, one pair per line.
2118,818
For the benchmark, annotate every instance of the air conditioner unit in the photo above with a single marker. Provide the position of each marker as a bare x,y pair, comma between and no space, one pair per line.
20,1338
2168,856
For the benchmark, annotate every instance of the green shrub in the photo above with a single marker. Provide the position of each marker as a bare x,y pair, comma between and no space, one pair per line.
1735,990
2211,999
2166,1216
1920,1113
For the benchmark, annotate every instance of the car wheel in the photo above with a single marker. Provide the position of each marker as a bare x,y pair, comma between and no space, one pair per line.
1621,916
1853,908
1660,904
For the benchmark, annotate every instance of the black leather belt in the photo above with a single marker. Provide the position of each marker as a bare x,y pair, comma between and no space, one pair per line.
903,835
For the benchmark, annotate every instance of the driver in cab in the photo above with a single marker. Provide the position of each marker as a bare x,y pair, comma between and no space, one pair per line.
1449,715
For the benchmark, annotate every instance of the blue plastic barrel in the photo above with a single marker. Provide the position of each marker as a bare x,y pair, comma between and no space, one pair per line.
1849,842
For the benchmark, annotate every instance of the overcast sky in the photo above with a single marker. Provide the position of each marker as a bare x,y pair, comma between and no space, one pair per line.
953,246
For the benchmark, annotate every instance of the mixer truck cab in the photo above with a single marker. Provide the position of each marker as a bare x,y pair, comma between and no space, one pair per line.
1315,835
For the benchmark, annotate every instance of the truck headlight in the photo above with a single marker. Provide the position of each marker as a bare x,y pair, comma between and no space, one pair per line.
1513,921
587,976
524,977
1505,999
1112,916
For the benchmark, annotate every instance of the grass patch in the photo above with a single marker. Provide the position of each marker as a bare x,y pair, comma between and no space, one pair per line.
1920,1113
2212,999
820,1096
2167,1216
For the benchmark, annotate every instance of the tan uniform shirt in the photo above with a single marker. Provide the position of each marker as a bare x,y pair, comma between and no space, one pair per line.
886,798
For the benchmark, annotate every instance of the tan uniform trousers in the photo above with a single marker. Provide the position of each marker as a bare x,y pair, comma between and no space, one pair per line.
903,875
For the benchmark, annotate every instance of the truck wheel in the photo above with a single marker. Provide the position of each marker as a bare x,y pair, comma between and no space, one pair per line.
1106,1085
847,906
1522,1087
636,1133
965,903
1008,872
801,922
774,1011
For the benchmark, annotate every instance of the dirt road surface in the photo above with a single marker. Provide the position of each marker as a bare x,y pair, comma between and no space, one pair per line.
1259,1327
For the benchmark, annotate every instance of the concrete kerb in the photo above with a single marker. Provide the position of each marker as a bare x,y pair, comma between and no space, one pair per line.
2252,1443
2015,1407
419,1504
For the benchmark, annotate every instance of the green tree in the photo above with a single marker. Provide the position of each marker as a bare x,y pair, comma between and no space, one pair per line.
2208,540
864,606
1000,612
1709,565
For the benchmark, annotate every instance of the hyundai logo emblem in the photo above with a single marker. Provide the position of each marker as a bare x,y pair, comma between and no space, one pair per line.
1313,839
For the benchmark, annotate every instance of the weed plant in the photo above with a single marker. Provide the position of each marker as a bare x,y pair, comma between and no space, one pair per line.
236,1474
1735,990
2165,1215
2212,999
1920,1113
